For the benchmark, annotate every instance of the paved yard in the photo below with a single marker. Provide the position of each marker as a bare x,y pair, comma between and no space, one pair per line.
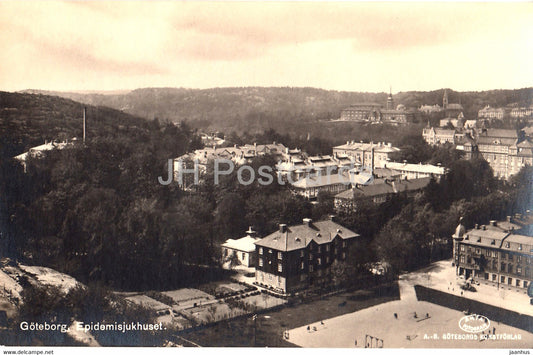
406,331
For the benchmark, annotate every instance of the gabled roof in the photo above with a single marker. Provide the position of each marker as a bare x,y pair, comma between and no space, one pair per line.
325,180
246,244
299,236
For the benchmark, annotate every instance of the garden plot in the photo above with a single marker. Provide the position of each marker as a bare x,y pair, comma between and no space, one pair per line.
188,296
145,301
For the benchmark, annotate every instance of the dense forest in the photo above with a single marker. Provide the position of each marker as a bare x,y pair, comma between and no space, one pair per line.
97,212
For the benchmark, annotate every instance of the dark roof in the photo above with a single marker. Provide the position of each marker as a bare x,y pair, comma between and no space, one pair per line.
384,188
299,236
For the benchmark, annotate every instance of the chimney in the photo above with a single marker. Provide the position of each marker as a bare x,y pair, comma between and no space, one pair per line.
509,219
484,227
493,223
84,123
250,231
390,145
307,221
282,228
476,226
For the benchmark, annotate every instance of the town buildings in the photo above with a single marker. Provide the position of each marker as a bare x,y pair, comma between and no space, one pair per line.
378,193
449,110
506,150
300,256
375,113
243,248
41,150
438,136
367,155
500,253
417,171
491,113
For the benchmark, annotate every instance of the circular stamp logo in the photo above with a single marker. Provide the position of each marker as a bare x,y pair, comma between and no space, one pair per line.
474,323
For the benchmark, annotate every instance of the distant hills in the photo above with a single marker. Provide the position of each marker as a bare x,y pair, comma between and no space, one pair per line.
257,108
28,120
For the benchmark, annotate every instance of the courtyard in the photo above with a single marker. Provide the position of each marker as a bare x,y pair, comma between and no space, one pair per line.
394,324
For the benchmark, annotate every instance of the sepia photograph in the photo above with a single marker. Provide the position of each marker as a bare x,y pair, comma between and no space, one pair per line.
278,175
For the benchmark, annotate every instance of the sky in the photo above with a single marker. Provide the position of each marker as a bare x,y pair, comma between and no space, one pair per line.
348,46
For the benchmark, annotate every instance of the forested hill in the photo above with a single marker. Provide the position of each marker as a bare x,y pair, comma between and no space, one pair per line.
28,120
258,108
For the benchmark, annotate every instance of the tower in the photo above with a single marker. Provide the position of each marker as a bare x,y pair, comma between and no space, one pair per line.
390,102
457,239
445,99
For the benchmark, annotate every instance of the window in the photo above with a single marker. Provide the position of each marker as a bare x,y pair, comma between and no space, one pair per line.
525,284
302,277
327,259
502,279
510,268
510,256
507,245
478,251
518,270
519,258
301,253
270,251
344,244
343,256
327,247
493,253
319,261
502,267
487,252
280,255
520,247
225,252
462,259
319,249
302,265
503,255
462,247
310,256
494,277
243,256
280,268
260,262
310,268
260,251
510,281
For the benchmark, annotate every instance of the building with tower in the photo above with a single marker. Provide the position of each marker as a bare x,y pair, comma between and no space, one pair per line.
500,253
375,113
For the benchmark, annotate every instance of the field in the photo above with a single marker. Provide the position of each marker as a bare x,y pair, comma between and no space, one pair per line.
270,326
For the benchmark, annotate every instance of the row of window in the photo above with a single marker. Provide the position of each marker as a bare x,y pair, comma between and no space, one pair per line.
517,283
492,253
302,264
302,252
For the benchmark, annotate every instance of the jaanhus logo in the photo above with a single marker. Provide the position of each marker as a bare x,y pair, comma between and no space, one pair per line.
474,323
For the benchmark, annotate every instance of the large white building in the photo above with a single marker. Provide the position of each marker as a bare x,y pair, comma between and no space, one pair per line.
368,155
